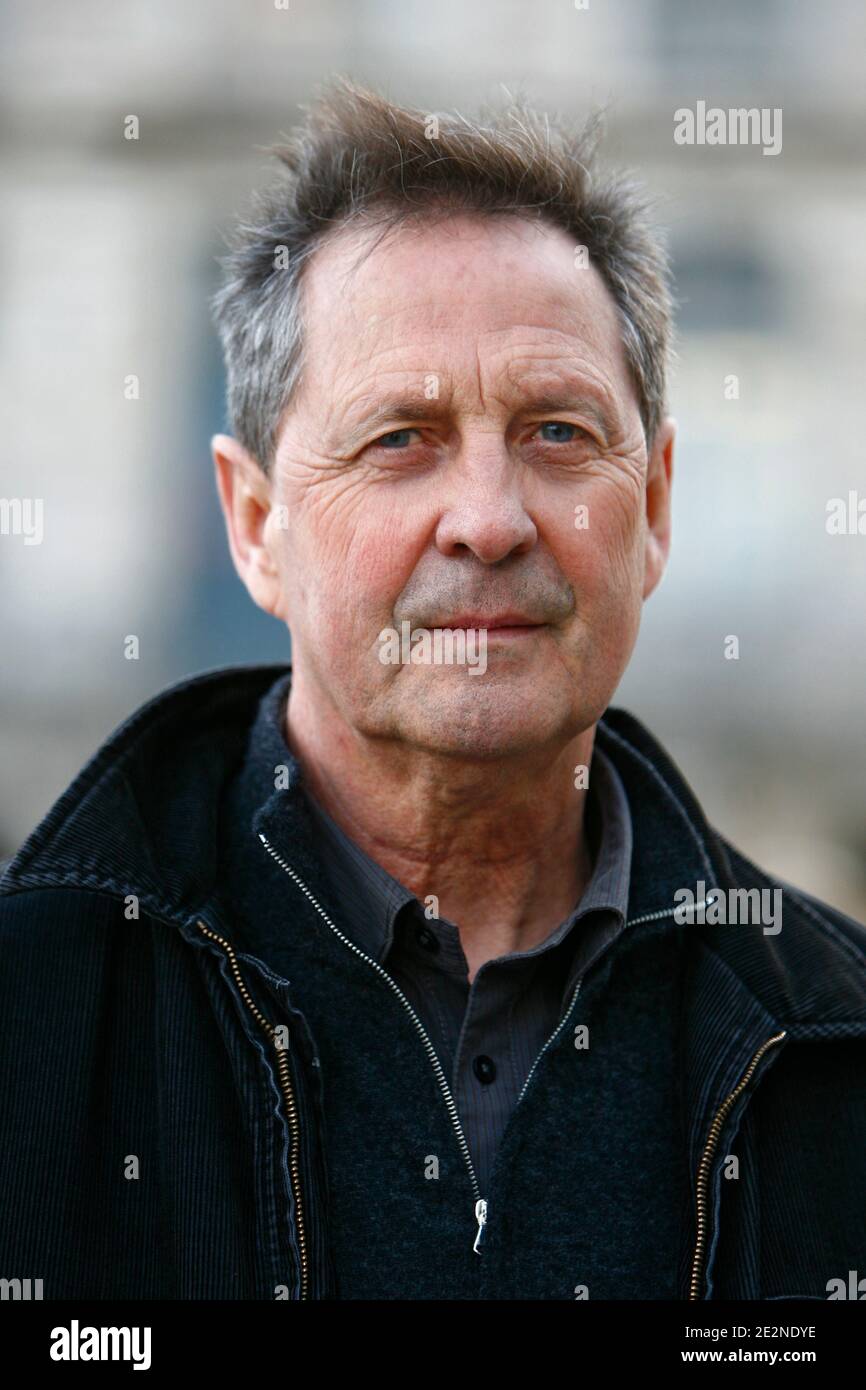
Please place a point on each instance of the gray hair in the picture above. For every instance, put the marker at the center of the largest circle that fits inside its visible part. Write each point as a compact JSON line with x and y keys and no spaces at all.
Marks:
{"x":360,"y":159}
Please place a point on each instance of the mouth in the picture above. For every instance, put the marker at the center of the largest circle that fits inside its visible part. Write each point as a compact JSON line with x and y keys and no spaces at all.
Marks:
{"x":506,"y":624}
{"x":514,"y":632}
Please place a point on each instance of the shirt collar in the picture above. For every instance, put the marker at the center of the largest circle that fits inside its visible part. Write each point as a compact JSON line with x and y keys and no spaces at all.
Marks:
{"x":368,"y":897}
{"x":372,"y":899}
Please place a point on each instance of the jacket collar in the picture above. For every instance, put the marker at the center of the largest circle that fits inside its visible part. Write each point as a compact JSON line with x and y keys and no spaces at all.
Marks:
{"x":371,"y":899}
{"x":143,"y":818}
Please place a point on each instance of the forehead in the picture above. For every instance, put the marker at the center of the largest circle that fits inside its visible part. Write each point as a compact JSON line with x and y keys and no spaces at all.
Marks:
{"x":484,"y":288}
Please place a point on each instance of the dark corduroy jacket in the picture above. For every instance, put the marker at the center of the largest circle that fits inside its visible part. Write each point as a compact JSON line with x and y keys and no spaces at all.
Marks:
{"x":163,"y":1124}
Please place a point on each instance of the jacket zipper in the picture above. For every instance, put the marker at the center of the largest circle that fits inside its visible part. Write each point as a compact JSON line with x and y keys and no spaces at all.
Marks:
{"x":480,"y":1202}
{"x":288,"y":1095}
{"x":706,"y":1163}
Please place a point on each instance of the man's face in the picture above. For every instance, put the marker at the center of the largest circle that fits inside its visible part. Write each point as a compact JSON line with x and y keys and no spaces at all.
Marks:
{"x":465,"y":395}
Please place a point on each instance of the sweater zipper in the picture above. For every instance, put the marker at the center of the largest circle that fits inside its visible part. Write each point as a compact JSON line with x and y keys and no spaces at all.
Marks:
{"x":285,"y":1081}
{"x":480,"y":1202}
{"x":706,"y":1163}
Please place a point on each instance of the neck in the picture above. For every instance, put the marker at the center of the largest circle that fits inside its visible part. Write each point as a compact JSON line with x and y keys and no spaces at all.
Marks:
{"x":501,"y":846}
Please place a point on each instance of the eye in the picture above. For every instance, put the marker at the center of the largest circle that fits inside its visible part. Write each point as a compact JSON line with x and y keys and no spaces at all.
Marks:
{"x":395,"y":439}
{"x":560,"y":432}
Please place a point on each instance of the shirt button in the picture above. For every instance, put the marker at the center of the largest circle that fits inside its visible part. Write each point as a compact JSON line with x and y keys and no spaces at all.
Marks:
{"x":485,"y":1069}
{"x":426,"y":938}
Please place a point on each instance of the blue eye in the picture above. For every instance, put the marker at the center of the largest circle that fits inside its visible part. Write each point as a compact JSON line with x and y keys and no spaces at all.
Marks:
{"x":559,"y":425}
{"x":395,"y":439}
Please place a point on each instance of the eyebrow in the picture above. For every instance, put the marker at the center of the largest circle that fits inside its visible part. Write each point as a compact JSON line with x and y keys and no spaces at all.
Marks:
{"x":411,"y":406}
{"x":408,"y":407}
{"x":563,"y":398}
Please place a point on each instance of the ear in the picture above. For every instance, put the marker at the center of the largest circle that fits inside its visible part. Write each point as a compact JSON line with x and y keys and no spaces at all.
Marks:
{"x":658,"y":504}
{"x":245,"y":494}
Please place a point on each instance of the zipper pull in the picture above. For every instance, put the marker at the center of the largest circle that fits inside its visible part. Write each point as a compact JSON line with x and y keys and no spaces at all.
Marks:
{"x":481,"y":1218}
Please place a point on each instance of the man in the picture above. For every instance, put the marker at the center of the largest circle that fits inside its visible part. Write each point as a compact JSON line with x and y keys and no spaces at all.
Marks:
{"x":414,"y":970}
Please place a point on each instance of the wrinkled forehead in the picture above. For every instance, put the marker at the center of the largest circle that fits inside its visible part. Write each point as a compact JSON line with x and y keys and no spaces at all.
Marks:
{"x":422,"y":297}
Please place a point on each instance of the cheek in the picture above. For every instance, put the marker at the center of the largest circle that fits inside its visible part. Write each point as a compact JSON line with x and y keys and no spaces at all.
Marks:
{"x":347,"y":578}
{"x":603,"y":549}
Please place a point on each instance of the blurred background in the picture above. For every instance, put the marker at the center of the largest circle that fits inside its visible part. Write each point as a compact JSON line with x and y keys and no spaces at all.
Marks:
{"x":107,"y":259}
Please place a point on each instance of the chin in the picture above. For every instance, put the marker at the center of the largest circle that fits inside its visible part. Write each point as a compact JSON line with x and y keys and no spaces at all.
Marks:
{"x":488,"y":725}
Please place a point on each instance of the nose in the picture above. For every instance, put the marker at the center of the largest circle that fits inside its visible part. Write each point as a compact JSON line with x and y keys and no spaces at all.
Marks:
{"x":486,"y":514}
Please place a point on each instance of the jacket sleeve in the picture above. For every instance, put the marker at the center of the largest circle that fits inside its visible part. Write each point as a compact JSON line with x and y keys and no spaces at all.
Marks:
{"x":75,"y":1000}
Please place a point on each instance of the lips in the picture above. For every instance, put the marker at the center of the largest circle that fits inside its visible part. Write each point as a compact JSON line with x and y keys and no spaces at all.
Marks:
{"x":491,"y":623}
